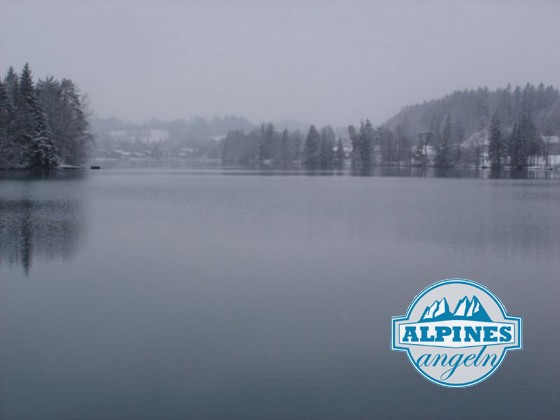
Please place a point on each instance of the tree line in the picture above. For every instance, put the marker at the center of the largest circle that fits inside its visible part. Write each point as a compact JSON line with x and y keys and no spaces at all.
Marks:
{"x":519,"y":148}
{"x":319,"y":149}
{"x":504,"y":127}
{"x":476,"y":127}
{"x":471,"y":110}
{"x":42,"y":125}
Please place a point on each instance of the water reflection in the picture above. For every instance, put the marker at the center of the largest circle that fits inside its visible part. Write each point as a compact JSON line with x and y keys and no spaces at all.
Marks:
{"x":203,"y":294}
{"x":38,"y":220}
{"x":419,"y":172}
{"x":215,"y":167}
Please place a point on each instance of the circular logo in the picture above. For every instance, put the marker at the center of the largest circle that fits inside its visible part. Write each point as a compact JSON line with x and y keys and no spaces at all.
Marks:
{"x":456,"y":333}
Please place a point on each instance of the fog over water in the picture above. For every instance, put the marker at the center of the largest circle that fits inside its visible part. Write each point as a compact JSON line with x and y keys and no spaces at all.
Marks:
{"x":319,"y":62}
{"x":214,"y":267}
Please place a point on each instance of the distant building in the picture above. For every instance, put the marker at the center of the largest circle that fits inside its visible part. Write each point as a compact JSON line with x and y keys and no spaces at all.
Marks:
{"x":551,"y":146}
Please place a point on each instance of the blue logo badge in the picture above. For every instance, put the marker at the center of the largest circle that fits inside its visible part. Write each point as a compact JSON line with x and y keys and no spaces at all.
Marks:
{"x":456,"y":333}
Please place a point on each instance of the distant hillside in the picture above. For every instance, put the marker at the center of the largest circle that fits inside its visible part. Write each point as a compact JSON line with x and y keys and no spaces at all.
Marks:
{"x":194,"y":138}
{"x":186,"y":139}
{"x":291,"y":126}
{"x":470,"y":111}
{"x":180,"y":131}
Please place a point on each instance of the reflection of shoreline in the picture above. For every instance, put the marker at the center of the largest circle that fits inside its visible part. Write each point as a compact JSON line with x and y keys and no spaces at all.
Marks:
{"x":216,"y":167}
{"x":44,"y":229}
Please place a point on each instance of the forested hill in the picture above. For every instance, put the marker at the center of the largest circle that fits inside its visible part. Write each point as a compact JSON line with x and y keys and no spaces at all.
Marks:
{"x":509,"y":127}
{"x":471,"y":110}
{"x":42,"y":125}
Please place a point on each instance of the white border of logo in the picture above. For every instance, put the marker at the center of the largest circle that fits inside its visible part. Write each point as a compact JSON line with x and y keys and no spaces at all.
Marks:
{"x":441,"y":283}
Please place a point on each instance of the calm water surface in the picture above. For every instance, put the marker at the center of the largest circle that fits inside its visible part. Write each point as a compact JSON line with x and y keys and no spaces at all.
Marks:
{"x":229,"y":294}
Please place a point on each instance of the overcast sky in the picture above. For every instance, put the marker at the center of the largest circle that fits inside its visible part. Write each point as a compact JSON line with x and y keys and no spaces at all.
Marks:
{"x":314,"y":61}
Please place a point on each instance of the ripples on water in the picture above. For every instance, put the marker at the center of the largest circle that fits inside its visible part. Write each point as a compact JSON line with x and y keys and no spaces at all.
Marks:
{"x":212,"y":293}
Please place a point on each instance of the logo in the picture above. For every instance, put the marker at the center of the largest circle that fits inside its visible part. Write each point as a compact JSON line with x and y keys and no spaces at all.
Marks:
{"x":456,"y":333}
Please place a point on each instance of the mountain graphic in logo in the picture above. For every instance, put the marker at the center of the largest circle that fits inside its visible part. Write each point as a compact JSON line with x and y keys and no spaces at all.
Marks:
{"x":456,"y":346}
{"x":466,"y":309}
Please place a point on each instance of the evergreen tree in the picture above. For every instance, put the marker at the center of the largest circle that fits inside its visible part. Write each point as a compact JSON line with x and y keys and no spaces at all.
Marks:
{"x":33,"y":131}
{"x":12,"y":86}
{"x":340,"y":155}
{"x":516,"y":105}
{"x":312,"y":151}
{"x":268,"y":134}
{"x":10,"y":150}
{"x":6,"y":110}
{"x":524,"y":143}
{"x":366,"y":137}
{"x":528,"y":100}
{"x":239,"y":148}
{"x":531,"y":140}
{"x":403,"y":146}
{"x":285,"y":149}
{"x":496,"y":146}
{"x":327,"y":147}
{"x":504,"y":108}
{"x":534,"y":142}
{"x":24,"y":124}
{"x":66,"y":118}
{"x":34,"y":118}
{"x":515,"y":148}
{"x":389,"y":145}
{"x":355,"y":142}
{"x":5,"y":120}
{"x":42,"y":153}
{"x":443,"y":145}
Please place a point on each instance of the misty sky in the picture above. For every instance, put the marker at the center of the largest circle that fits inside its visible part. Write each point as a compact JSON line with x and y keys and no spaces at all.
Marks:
{"x":314,"y":61}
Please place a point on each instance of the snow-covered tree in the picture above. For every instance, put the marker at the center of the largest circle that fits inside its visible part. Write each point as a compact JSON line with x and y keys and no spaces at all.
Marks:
{"x":496,"y":145}
{"x":10,"y":151}
{"x":524,"y":143}
{"x":6,"y":118}
{"x":33,"y":130}
{"x":66,"y":116}
{"x":42,"y":125}
{"x":12,"y":86}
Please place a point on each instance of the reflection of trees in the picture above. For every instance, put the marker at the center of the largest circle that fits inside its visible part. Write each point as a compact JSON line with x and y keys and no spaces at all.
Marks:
{"x":31,"y":229}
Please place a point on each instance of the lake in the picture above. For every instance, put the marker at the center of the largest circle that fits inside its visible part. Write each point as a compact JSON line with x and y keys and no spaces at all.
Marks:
{"x":209,"y":293}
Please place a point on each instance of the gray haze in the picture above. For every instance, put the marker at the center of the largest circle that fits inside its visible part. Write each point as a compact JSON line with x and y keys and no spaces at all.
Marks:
{"x":323,"y":62}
